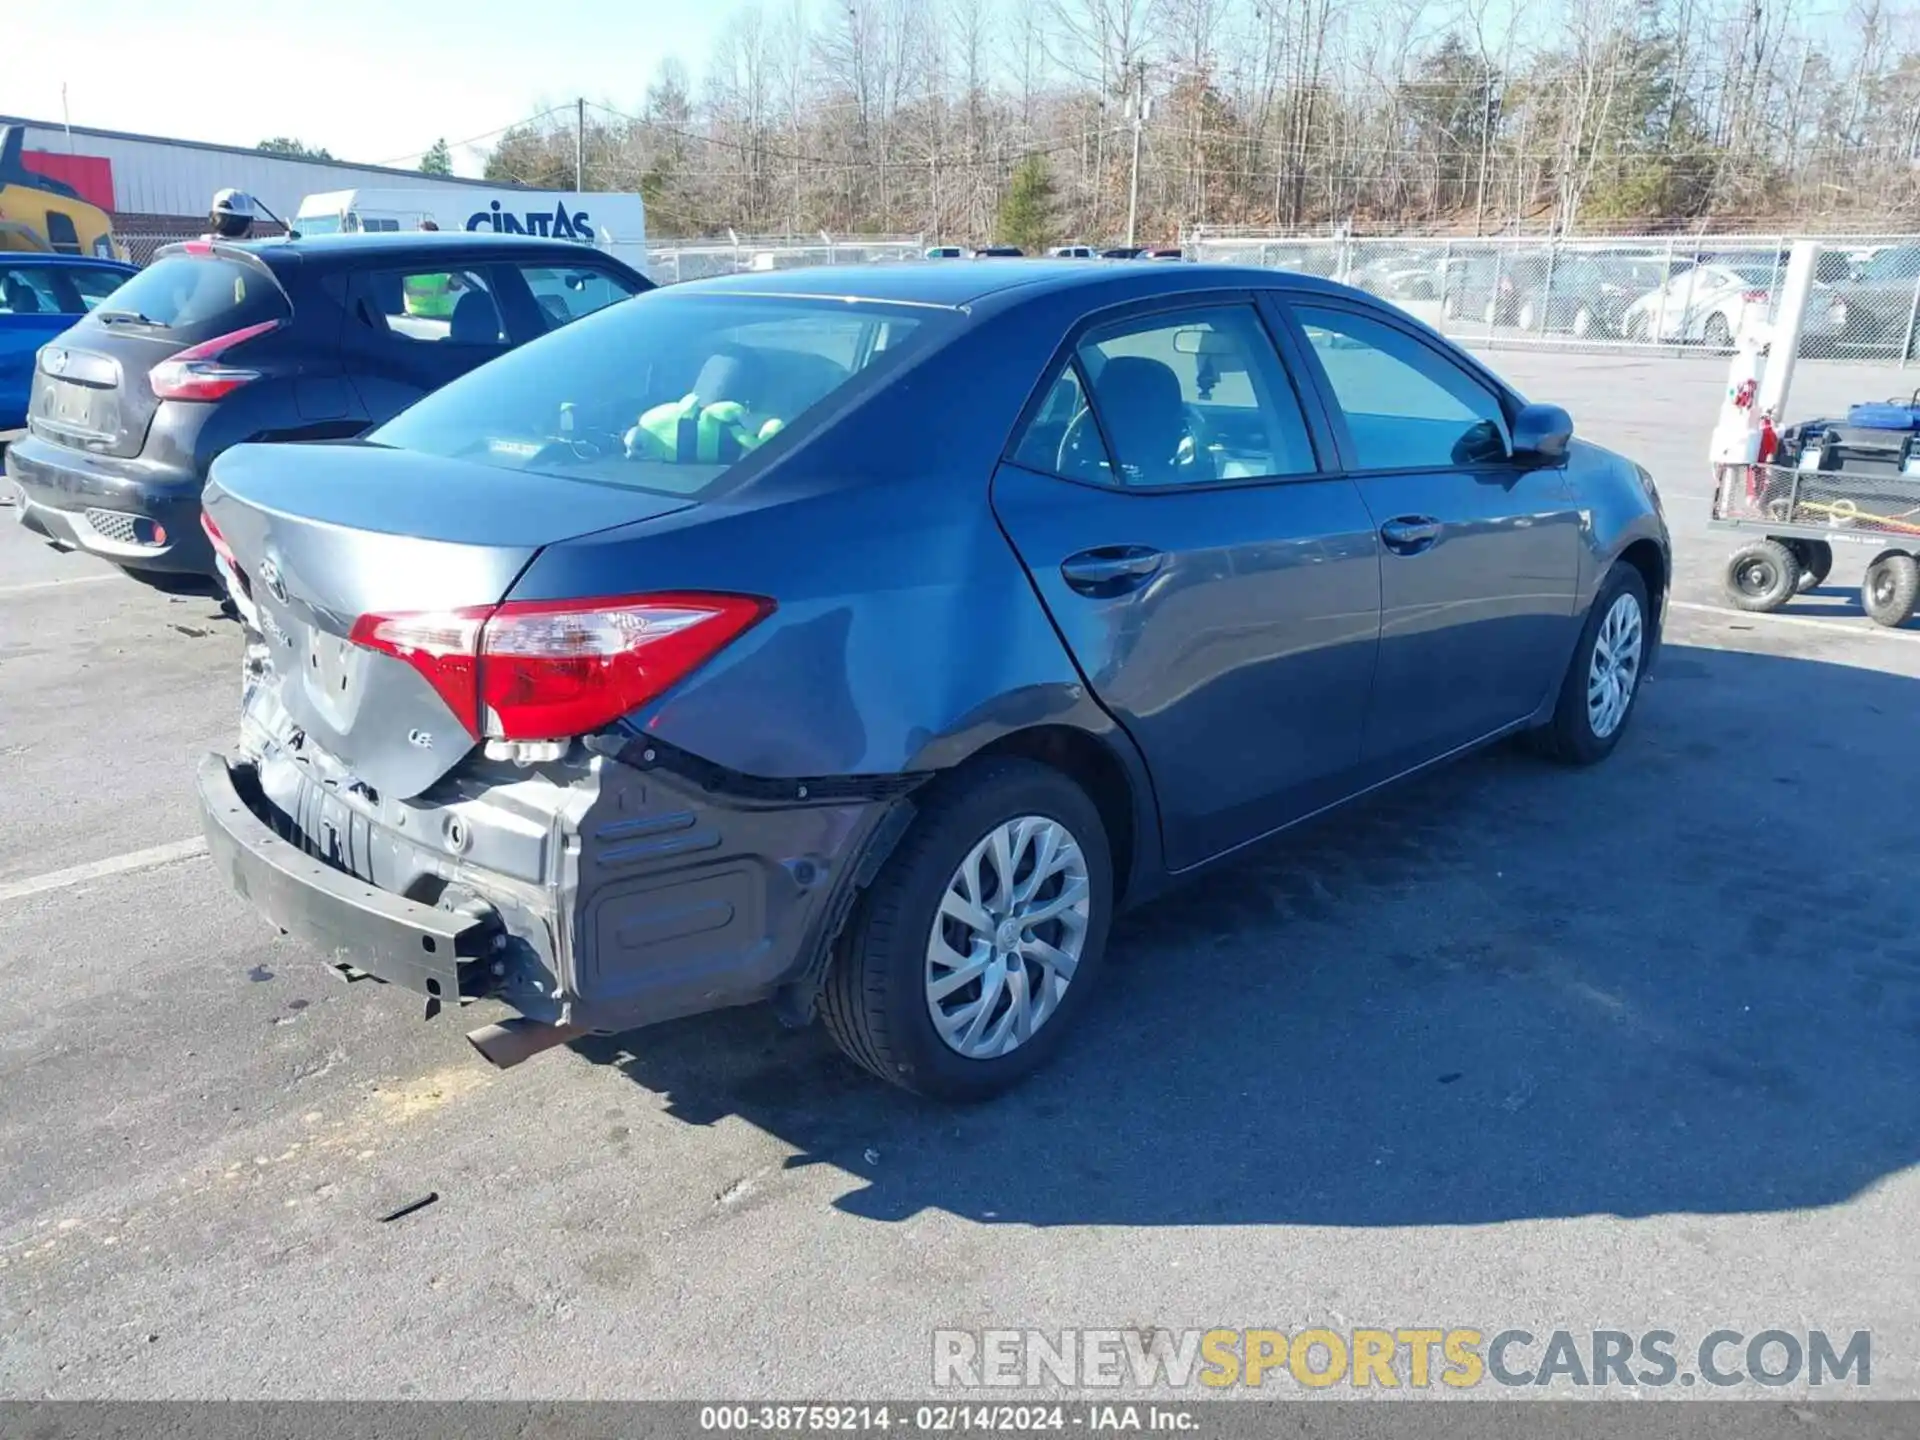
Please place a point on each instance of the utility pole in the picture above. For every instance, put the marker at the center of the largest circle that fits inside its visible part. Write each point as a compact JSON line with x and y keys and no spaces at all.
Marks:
{"x":1140,"y":108}
{"x":580,"y":145}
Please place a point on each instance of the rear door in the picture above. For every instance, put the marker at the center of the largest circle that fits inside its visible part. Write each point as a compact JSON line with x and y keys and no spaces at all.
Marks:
{"x":411,"y":330}
{"x":1479,"y":555}
{"x":1217,"y":586}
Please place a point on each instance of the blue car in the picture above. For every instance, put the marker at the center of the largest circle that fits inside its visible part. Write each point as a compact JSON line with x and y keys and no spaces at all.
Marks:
{"x":864,"y":640}
{"x":41,"y":296}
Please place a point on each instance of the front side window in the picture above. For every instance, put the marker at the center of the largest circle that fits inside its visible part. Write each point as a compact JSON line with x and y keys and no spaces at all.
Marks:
{"x":1407,"y":406}
{"x":1186,"y":399}
{"x":25,"y":291}
{"x":667,"y":393}
{"x":567,"y":292}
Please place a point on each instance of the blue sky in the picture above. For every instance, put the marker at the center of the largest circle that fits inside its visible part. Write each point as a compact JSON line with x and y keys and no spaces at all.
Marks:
{"x":370,"y":81}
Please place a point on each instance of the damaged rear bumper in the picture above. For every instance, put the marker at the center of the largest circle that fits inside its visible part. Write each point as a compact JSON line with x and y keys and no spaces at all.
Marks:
{"x":616,"y":892}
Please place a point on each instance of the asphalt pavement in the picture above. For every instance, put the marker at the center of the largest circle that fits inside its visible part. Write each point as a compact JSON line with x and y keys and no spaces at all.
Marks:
{"x":1514,"y":1047}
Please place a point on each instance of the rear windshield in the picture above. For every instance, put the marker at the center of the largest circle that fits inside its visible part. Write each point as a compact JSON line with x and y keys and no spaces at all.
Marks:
{"x":665,"y":392}
{"x":196,"y":296}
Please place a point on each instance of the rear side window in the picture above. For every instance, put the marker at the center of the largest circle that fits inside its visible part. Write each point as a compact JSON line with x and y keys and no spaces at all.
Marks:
{"x":1187,"y":398}
{"x":665,"y":394}
{"x":565,"y":293}
{"x":93,"y":286}
{"x":196,"y":297}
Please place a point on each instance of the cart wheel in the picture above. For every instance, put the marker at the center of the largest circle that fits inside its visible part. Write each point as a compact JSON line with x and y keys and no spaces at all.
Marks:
{"x":1762,"y":575}
{"x":1890,"y":588}
{"x":1816,"y":561}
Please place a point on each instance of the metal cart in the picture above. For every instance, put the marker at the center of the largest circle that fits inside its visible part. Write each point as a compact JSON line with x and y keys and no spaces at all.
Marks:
{"x":1794,"y":516}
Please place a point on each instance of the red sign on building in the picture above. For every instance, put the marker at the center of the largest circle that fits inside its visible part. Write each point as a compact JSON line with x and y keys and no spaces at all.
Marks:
{"x":91,"y":175}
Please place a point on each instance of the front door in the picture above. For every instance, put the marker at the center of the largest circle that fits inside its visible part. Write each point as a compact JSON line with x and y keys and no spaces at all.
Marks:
{"x":1217,"y":588}
{"x":1479,"y":554}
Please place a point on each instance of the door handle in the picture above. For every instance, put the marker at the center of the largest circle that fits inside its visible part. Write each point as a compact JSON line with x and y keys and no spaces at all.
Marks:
{"x":1109,"y":570}
{"x":1410,"y":534}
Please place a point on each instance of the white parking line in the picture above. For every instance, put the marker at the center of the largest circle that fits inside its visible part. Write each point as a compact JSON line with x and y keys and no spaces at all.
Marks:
{"x":99,"y":869}
{"x":1838,"y":626}
{"x":54,"y":584}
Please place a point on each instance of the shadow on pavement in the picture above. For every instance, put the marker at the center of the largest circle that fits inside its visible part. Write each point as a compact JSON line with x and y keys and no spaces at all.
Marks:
{"x":1687,"y":980}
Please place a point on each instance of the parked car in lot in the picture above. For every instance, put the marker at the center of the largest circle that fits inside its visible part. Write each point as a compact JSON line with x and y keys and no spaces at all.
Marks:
{"x":1879,"y":303}
{"x":1708,"y":303}
{"x":1581,"y":293}
{"x":1401,"y":275}
{"x":219,"y":343}
{"x":40,"y":296}
{"x":616,"y":722}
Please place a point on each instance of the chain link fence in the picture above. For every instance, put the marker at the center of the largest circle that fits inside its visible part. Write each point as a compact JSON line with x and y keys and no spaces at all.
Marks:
{"x":671,"y":261}
{"x":1623,"y":292}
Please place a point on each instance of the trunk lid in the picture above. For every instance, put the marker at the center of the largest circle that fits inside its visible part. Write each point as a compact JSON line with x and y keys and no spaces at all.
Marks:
{"x":91,"y":389}
{"x":322,"y":535}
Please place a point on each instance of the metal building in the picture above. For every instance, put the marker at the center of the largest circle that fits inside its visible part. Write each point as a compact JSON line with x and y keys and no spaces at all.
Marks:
{"x":161,"y":188}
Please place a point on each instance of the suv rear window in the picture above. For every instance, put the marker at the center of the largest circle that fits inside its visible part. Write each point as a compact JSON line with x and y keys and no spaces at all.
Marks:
{"x":665,"y":392}
{"x":196,"y":297}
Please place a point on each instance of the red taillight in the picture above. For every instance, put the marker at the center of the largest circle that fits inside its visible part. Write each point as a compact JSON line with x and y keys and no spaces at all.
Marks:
{"x":1753,"y":297}
{"x":552,"y":669}
{"x":196,"y":372}
{"x":220,"y":545}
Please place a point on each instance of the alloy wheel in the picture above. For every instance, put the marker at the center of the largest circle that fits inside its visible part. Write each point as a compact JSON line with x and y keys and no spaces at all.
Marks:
{"x":1008,"y":936}
{"x":1615,"y":667}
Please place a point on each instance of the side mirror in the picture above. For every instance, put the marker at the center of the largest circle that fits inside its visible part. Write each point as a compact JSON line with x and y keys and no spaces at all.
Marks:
{"x":1541,"y":433}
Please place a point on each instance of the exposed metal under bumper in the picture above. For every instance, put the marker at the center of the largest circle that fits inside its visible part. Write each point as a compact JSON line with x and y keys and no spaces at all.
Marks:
{"x":397,"y":939}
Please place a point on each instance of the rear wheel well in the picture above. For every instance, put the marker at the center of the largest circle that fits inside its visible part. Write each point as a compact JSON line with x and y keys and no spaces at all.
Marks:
{"x":1097,"y":771}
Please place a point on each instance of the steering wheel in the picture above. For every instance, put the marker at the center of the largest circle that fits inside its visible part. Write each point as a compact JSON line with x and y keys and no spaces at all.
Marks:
{"x":1080,"y":453}
{"x":1196,"y":450}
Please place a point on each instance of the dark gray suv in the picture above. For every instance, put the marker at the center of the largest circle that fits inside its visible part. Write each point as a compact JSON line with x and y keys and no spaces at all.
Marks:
{"x":219,"y":343}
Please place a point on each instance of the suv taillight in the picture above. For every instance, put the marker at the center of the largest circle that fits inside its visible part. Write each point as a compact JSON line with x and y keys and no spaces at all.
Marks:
{"x":553,"y":669}
{"x":1753,"y":297}
{"x":196,"y":372}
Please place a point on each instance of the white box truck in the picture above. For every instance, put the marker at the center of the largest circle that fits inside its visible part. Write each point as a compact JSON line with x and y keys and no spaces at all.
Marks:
{"x":616,"y":223}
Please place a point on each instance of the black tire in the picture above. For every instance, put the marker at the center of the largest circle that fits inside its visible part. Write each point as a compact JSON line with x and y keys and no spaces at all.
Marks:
{"x":1718,"y":334}
{"x":1762,"y":575}
{"x":1891,"y":585}
{"x":874,"y":996}
{"x":1816,"y":561}
{"x":1569,"y":736}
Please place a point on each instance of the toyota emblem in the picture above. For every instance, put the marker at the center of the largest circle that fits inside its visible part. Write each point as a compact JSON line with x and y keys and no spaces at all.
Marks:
{"x":270,"y":577}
